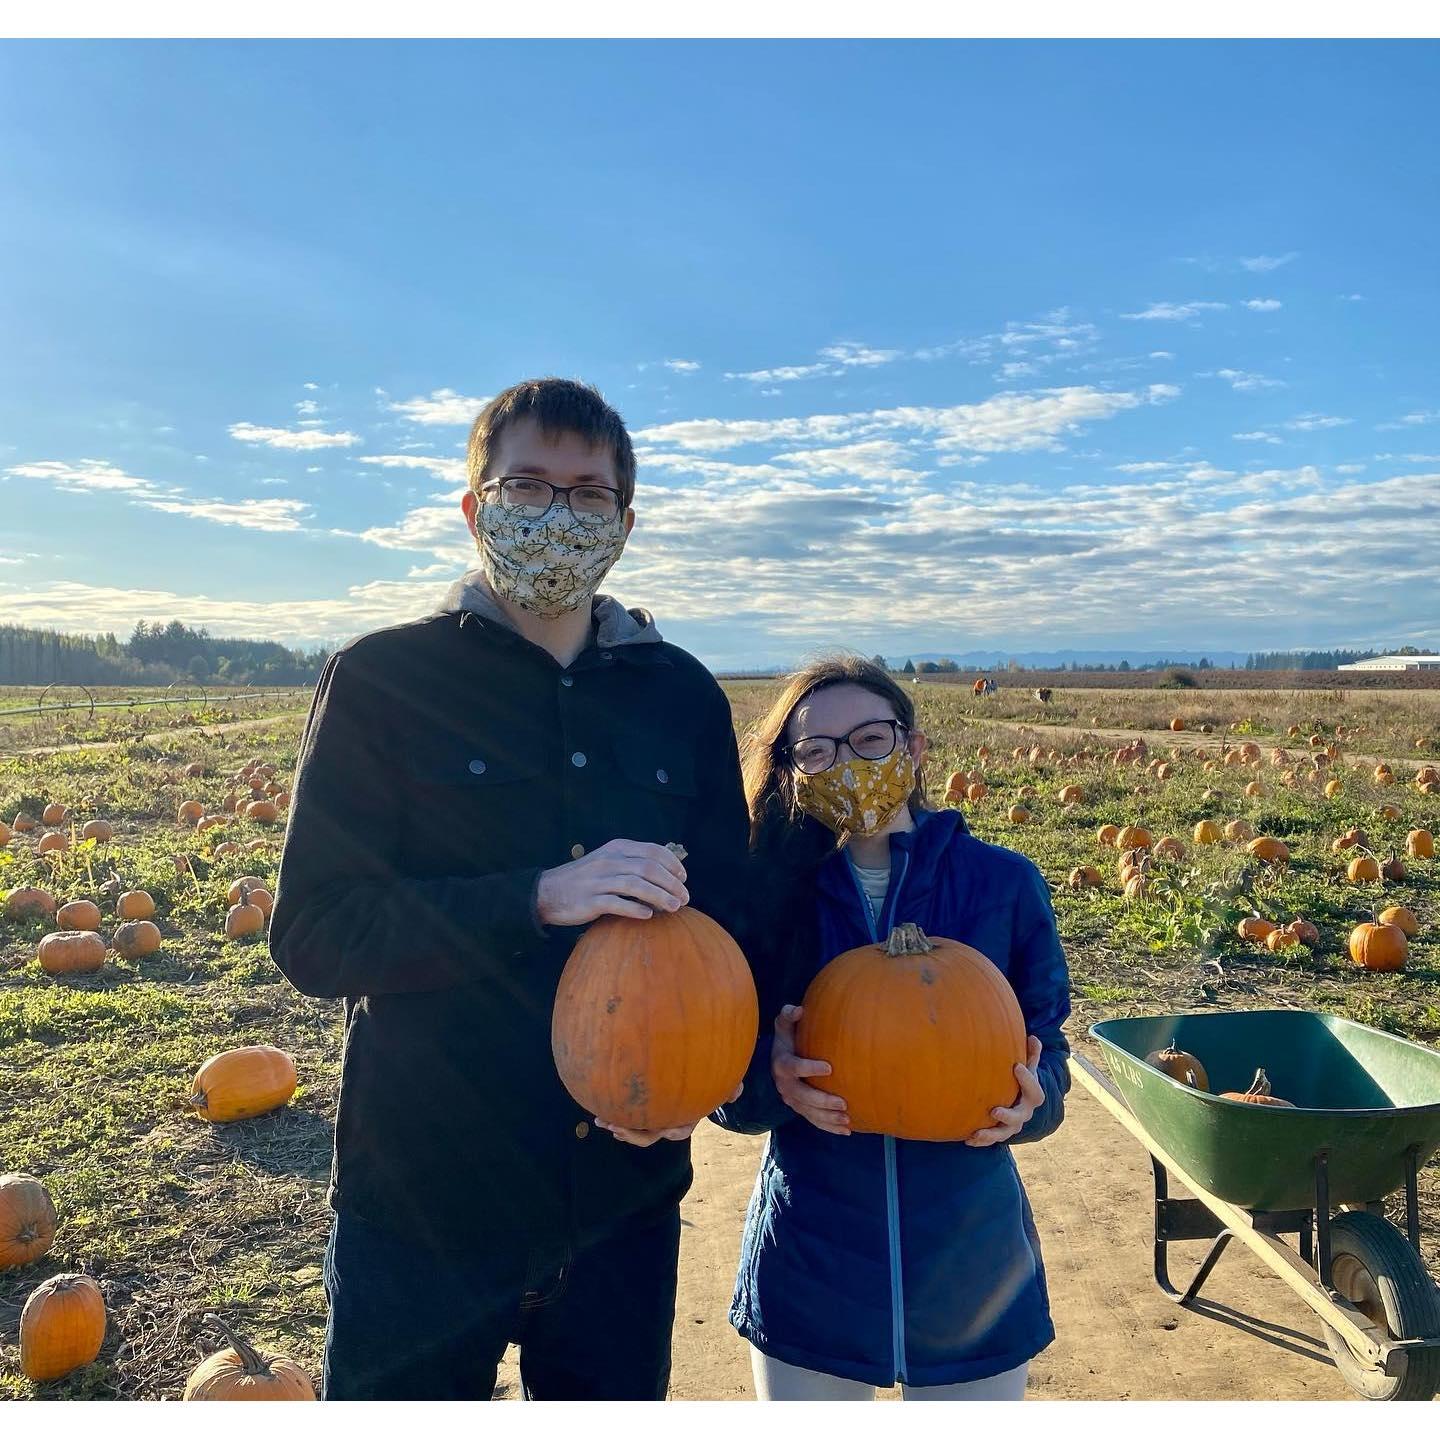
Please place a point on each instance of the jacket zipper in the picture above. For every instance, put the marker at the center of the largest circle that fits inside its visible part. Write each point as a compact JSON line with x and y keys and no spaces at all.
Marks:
{"x":892,"y":1178}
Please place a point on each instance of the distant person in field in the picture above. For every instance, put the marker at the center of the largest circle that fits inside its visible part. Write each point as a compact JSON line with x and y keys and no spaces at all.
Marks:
{"x":867,"y":1260}
{"x":473,"y":789}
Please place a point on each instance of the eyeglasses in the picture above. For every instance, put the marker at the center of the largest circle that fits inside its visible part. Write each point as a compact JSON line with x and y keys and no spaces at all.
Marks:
{"x":873,"y":740}
{"x":594,"y":504}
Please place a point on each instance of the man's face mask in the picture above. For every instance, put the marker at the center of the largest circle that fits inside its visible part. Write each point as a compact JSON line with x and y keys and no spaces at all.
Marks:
{"x":858,"y":797}
{"x":548,"y":557}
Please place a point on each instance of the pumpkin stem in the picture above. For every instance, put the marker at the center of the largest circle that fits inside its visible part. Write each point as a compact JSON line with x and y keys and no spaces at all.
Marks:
{"x":908,"y":940}
{"x":1260,"y":1085}
{"x":252,"y":1360}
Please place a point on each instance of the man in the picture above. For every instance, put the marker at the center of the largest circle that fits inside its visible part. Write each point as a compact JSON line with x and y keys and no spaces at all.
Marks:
{"x":473,"y":789}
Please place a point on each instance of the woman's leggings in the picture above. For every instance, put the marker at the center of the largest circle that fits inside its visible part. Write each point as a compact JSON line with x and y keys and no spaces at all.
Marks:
{"x":775,"y":1380}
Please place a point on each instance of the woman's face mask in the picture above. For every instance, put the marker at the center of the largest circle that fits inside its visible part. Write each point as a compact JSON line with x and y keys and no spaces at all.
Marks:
{"x":550,"y":563}
{"x":858,"y":797}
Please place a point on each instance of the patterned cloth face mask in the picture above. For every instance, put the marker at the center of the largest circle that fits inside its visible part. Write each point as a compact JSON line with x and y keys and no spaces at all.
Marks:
{"x":550,"y":563}
{"x":858,"y":797}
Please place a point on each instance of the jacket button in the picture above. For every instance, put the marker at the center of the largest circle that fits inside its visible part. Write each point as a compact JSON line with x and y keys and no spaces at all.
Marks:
{"x":663,"y":776}
{"x":567,"y":681}
{"x":578,"y":759}
{"x":477,"y":767}
{"x":577,"y":851}
{"x":582,"y":1130}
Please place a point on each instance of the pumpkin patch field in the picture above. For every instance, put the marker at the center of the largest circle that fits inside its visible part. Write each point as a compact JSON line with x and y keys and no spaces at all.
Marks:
{"x":174,"y":1097}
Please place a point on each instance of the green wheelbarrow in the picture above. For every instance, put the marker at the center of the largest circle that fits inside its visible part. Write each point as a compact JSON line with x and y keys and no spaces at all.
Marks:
{"x":1366,"y":1118}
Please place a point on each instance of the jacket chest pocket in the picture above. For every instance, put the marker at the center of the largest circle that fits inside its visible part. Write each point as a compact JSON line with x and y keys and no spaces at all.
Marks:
{"x":470,"y":803}
{"x":655,"y":793}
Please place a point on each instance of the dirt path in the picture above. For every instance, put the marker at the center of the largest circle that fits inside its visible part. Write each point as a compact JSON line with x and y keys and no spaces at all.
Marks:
{"x":1161,"y":740}
{"x":153,"y":735}
{"x":1118,"y":1338}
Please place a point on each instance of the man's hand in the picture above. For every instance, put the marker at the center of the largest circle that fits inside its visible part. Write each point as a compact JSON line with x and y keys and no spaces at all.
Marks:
{"x":1011,"y":1119}
{"x":645,"y":1138}
{"x":824,"y":1111}
{"x":622,"y":877}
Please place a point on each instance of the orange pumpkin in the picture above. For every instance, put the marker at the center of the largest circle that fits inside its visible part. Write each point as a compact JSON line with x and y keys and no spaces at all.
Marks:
{"x":1420,"y":845}
{"x":78,"y":915}
{"x":1257,"y":1094}
{"x":1083,"y":877}
{"x":976,"y":791}
{"x":100,"y":831}
{"x":28,"y":903}
{"x":1238,"y":830}
{"x":1207,"y":832}
{"x":1137,"y":886}
{"x":1106,"y":835}
{"x":23,"y":822}
{"x":1254,"y":790}
{"x":1332,"y":789}
{"x":262,"y":812}
{"x":1133,"y":837}
{"x":27,"y":1220}
{"x":242,"y":1373}
{"x":1305,"y":931}
{"x":55,"y":814}
{"x":1402,"y":917}
{"x":136,"y":938}
{"x":135,"y":905}
{"x":189,"y":812}
{"x":1363,"y":868}
{"x":238,"y":1084}
{"x":1169,"y":847}
{"x":1177,"y":724}
{"x":72,"y":952}
{"x":62,"y":1327}
{"x":1281,"y":939}
{"x":1071,"y":795}
{"x":1379,"y":946}
{"x":922,"y":1036}
{"x":243,"y":920}
{"x":1269,"y":851}
{"x":654,"y":1020}
{"x":249,"y":888}
{"x":1252,"y":927}
{"x":52,"y":840}
{"x":1018,"y":815}
{"x":1179,"y":1065}
{"x":194,"y":771}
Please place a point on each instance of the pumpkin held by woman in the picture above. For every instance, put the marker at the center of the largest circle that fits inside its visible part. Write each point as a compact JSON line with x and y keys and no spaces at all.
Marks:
{"x":922,"y":1036}
{"x":655,"y":1020}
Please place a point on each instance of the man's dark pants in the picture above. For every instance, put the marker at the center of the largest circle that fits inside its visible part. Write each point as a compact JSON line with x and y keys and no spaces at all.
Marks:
{"x":408,"y":1324}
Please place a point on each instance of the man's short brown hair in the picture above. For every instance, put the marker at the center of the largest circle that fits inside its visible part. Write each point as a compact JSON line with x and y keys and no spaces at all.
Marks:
{"x":558,"y":407}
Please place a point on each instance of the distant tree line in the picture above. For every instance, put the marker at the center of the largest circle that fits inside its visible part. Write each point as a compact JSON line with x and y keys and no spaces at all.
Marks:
{"x":155,"y":654}
{"x":1320,"y":659}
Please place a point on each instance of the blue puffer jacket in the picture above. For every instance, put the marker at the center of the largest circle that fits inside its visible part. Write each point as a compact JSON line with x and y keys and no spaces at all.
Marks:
{"x":882,"y":1260}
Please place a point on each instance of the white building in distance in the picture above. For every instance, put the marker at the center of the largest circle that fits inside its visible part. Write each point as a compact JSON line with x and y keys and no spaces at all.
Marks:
{"x":1396,"y":662}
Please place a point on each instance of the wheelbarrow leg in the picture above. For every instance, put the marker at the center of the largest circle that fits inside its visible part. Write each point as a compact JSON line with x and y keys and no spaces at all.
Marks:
{"x":1162,"y":1268}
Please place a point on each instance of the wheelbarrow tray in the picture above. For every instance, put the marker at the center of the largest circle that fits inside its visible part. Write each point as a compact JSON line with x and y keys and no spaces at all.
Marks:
{"x":1364,"y":1098}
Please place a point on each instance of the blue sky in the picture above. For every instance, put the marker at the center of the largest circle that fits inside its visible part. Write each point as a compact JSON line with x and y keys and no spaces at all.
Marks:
{"x":925,"y":346}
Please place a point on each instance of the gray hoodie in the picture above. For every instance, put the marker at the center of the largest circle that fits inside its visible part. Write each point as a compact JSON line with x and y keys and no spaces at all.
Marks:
{"x":614,"y":624}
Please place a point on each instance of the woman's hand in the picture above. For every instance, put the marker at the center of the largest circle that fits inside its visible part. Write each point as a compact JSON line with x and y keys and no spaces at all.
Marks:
{"x":824,"y":1111}
{"x":1011,"y":1119}
{"x":646,"y":1138}
{"x":622,"y":877}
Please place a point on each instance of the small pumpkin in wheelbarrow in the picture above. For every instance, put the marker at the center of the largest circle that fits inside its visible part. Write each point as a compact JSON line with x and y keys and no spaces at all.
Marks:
{"x":1257,"y":1094}
{"x":1179,"y":1065}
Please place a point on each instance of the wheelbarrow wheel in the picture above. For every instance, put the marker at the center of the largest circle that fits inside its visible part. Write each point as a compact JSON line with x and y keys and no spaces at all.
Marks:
{"x":1375,"y":1267}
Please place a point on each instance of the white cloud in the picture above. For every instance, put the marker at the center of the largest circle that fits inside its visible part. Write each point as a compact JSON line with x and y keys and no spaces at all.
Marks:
{"x":1005,"y":422}
{"x":1262,"y":264}
{"x":1316,"y":422}
{"x":1415,"y":417}
{"x":868,"y":460}
{"x":1176,"y":310}
{"x":781,"y":374}
{"x":1350,"y":469}
{"x":248,"y":514}
{"x":1247,"y":380}
{"x":291,"y":439}
{"x":1144,"y":467}
{"x":850,"y":353}
{"x":88,"y":475}
{"x":311,"y":385}
{"x":682,"y":367}
{"x":1161,"y":355}
{"x":274,"y":481}
{"x":1262,"y":305}
{"x":307,"y":407}
{"x":442,"y":468}
{"x":1260,"y":435}
{"x":441,"y":407}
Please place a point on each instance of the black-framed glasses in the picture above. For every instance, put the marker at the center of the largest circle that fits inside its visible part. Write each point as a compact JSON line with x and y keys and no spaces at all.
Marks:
{"x":873,"y":740}
{"x":531,"y":497}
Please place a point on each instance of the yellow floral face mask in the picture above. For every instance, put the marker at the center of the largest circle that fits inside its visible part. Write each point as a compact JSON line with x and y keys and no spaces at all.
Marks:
{"x":858,"y":797}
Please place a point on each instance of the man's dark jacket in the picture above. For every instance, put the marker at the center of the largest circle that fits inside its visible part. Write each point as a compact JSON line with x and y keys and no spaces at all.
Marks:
{"x":445,"y":763}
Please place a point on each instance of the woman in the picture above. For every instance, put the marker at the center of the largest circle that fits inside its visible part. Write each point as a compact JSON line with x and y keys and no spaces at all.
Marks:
{"x":868,"y":1260}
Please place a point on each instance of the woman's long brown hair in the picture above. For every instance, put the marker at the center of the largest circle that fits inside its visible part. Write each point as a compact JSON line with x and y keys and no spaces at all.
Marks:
{"x":779,"y":829}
